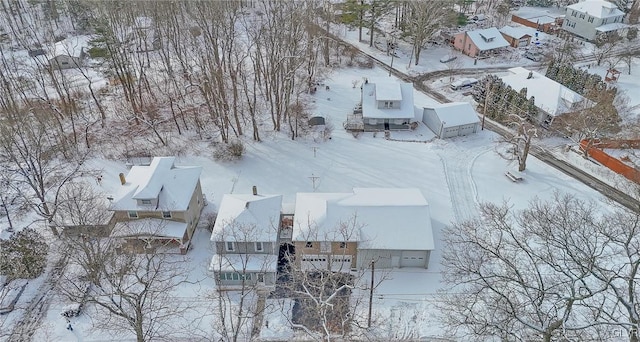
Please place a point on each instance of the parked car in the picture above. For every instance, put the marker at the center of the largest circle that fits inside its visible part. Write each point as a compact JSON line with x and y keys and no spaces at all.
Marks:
{"x":447,"y":58}
{"x":534,"y":56}
{"x":463,"y":83}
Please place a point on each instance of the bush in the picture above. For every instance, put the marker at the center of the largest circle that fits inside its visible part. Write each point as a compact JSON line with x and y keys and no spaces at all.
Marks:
{"x":229,"y":151}
{"x":23,"y":255}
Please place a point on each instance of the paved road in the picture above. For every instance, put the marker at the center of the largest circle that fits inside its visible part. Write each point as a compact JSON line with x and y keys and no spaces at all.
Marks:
{"x":537,"y":151}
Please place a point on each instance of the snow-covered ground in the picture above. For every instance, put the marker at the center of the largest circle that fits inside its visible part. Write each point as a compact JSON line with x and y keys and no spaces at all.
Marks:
{"x":454,"y":175}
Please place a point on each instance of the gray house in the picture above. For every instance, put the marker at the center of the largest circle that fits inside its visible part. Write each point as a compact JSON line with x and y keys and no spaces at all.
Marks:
{"x":451,"y":119}
{"x":387,"y":105}
{"x":590,"y":17}
{"x":67,"y":54}
{"x":245,"y":239}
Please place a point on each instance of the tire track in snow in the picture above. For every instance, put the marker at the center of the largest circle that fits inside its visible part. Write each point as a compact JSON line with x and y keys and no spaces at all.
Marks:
{"x":457,"y":166}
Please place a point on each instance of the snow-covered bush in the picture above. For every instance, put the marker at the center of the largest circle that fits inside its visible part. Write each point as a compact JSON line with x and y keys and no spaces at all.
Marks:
{"x":23,"y":255}
{"x":230,"y":151}
{"x":71,"y":310}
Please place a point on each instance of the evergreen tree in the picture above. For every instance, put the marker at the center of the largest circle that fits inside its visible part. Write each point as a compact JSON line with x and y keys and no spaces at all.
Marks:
{"x":23,"y":255}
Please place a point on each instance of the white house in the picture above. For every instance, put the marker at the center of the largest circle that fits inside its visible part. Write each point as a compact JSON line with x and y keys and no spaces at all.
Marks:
{"x":245,"y":239}
{"x":68,"y":53}
{"x":552,"y":98}
{"x":340,"y":231}
{"x":387,"y":105}
{"x":158,"y":205}
{"x":451,"y":119}
{"x":590,"y":17}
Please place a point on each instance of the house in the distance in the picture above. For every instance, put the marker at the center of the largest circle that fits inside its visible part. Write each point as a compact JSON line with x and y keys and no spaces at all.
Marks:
{"x":387,"y":105}
{"x":550,"y":97}
{"x":545,"y":19}
{"x":67,"y":54}
{"x":516,"y":36}
{"x":341,"y":231}
{"x":589,"y":18}
{"x":479,"y":43}
{"x":245,"y":239}
{"x":451,"y":119}
{"x":158,"y":206}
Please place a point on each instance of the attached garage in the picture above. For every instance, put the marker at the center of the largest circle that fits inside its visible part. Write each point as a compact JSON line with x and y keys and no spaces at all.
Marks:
{"x":414,"y":259}
{"x":311,"y":262}
{"x":451,"y":119}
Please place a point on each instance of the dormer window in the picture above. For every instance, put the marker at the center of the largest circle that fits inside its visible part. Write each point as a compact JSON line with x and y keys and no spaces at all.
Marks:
{"x":145,"y":201}
{"x":388,"y":104}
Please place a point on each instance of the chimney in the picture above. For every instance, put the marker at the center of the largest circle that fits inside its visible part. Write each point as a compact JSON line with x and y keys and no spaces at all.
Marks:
{"x":255,"y":190}
{"x":530,"y":75}
{"x":123,"y":180}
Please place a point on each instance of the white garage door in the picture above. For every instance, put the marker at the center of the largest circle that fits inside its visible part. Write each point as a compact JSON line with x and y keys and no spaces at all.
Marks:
{"x":312,"y":262}
{"x":466,"y":130}
{"x":413,"y":259}
{"x":341,"y":263}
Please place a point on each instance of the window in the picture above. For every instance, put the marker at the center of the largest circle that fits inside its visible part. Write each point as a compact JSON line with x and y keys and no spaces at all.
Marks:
{"x":573,"y":13}
{"x":309,"y":244}
{"x":166,"y":214}
{"x":343,"y":244}
{"x":259,"y":247}
{"x":231,"y":246}
{"x":604,"y":21}
{"x":581,"y":15}
{"x":388,"y":104}
{"x":261,"y":277}
{"x":133,"y":214}
{"x":469,"y":46}
{"x":146,"y":201}
{"x":590,"y":19}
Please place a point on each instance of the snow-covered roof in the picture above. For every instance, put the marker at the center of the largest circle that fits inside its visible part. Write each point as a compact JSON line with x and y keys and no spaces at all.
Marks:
{"x":487,"y":39}
{"x":386,"y":90}
{"x":534,"y":13}
{"x":515,"y":32}
{"x":73,"y":46}
{"x":596,"y":8}
{"x":378,"y":218}
{"x":150,"y":227}
{"x":248,"y":218}
{"x":455,"y":114}
{"x":244,"y":262}
{"x":550,"y":96}
{"x":171,"y":185}
{"x":611,"y":27}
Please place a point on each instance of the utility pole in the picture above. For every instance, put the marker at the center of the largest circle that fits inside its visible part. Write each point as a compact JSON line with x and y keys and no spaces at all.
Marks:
{"x":373,"y":266}
{"x":313,"y":180}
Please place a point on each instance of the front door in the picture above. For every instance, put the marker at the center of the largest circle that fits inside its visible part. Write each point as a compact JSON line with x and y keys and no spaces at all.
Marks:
{"x":386,"y":124}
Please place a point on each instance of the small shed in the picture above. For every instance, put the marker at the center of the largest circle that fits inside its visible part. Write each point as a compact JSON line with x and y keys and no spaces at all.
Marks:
{"x":451,"y":119}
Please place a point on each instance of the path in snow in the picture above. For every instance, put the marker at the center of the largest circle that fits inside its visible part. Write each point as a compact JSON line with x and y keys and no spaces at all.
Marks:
{"x":37,"y":308}
{"x":457,"y":164}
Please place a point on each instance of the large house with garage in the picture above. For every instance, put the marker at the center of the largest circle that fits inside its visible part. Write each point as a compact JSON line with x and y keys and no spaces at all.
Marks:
{"x":342,"y":231}
{"x":245,"y":240}
{"x":550,"y":97}
{"x":387,"y":105}
{"x":589,"y":18}
{"x":157,"y":206}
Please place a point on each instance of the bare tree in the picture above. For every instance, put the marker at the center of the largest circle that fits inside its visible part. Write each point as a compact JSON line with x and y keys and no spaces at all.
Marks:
{"x":604,"y":44}
{"x":521,"y":275}
{"x":127,"y":292}
{"x":425,"y":19}
{"x":520,"y":142}
{"x":35,"y":157}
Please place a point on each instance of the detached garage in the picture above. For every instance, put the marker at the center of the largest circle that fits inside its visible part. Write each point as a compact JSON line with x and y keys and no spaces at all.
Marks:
{"x":451,"y":119}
